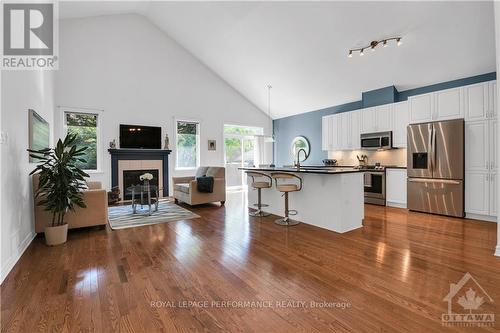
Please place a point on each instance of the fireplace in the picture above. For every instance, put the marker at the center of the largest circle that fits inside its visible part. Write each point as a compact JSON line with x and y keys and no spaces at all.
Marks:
{"x":131,"y":177}
{"x":140,"y":159}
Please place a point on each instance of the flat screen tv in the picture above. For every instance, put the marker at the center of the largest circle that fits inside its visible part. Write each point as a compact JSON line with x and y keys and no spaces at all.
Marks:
{"x":135,"y":136}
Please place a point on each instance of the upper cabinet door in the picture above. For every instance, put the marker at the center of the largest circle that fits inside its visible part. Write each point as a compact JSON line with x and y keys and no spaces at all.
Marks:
{"x":334,"y":133}
{"x":477,"y":106}
{"x":449,"y":104}
{"x":400,"y":116}
{"x":325,"y":133}
{"x":355,"y":129}
{"x":383,"y":118}
{"x":477,"y":146}
{"x":421,"y":108}
{"x":344,"y":130}
{"x":369,"y":120}
{"x":493,"y":99}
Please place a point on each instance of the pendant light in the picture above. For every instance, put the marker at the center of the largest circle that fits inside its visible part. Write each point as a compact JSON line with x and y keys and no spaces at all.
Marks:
{"x":269,"y":138}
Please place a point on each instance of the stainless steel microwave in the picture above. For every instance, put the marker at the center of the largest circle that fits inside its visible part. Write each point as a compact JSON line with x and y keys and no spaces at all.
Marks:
{"x":381,"y":140}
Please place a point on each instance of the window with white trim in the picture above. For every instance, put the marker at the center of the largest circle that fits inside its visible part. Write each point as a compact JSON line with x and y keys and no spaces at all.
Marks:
{"x":187,"y":145}
{"x":86,"y":126}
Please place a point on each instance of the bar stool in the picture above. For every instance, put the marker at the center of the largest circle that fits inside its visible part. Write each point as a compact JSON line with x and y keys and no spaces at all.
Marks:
{"x":281,"y":185}
{"x":262,"y":181}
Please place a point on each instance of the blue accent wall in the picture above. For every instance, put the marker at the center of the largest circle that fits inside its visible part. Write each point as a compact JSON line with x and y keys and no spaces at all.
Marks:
{"x":379,"y":96}
{"x":309,"y":124}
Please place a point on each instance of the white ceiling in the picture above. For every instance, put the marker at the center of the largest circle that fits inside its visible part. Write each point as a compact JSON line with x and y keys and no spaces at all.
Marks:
{"x":301,"y":48}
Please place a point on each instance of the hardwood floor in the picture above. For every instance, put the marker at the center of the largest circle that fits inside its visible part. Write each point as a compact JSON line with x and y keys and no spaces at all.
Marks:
{"x":393,"y":273}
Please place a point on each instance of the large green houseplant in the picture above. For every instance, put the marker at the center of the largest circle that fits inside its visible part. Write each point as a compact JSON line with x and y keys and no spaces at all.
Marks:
{"x":60,"y":185}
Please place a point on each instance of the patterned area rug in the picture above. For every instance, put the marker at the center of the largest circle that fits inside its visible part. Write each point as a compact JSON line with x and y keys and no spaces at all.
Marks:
{"x":121,"y":217}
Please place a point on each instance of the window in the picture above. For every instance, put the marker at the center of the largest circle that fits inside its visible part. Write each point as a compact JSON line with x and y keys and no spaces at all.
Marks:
{"x":187,"y":145}
{"x":86,"y":127}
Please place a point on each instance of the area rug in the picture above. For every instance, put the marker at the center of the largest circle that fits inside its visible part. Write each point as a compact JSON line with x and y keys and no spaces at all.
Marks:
{"x":121,"y":217}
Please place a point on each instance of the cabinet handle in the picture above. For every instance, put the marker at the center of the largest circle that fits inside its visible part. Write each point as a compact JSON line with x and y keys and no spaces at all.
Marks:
{"x":487,"y":177}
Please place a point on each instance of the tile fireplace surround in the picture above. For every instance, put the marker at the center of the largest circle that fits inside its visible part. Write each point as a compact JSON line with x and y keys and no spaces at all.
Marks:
{"x":139,"y":159}
{"x":132,"y":165}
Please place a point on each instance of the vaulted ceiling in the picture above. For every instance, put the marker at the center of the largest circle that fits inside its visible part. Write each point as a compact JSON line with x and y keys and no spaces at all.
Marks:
{"x":300,"y":48}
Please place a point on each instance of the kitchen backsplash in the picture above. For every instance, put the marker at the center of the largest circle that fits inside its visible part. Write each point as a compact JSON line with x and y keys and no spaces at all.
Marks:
{"x":396,"y":157}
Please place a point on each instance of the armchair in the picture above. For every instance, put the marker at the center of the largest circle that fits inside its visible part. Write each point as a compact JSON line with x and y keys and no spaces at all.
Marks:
{"x":186,"y":188}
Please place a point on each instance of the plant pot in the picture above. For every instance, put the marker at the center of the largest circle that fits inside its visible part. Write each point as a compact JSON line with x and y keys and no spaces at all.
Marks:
{"x":56,"y":235}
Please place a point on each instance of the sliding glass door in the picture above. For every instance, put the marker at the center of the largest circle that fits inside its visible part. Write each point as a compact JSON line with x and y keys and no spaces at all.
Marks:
{"x":239,"y":151}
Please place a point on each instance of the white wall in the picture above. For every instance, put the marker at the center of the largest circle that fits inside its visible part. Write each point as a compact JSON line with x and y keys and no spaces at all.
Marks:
{"x":21,"y":90}
{"x":126,"y":66}
{"x":497,"y":27}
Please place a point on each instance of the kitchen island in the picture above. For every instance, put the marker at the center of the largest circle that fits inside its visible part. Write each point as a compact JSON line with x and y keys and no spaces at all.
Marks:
{"x":331,"y":198}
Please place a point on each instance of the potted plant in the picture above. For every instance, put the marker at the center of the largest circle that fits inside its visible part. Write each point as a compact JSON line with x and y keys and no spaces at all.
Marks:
{"x":60,"y":184}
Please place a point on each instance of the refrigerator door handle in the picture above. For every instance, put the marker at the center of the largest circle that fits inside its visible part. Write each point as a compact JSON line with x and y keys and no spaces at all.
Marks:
{"x":433,"y":145}
{"x":429,"y":145}
{"x":434,"y":180}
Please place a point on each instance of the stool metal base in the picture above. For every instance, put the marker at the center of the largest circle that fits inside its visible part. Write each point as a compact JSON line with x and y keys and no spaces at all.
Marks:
{"x":258,"y":213}
{"x":286,"y":221}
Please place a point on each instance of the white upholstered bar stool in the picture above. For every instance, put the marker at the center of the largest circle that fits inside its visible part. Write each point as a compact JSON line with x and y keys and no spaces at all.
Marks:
{"x":284,"y":185}
{"x":259,"y":181}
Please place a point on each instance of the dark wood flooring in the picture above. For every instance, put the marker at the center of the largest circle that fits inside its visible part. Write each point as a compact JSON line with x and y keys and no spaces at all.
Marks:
{"x":392,"y":274}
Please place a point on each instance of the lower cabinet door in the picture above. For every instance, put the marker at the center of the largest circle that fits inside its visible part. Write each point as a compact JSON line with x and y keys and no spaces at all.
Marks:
{"x":493,"y":194}
{"x":396,"y":187}
{"x":477,"y":192}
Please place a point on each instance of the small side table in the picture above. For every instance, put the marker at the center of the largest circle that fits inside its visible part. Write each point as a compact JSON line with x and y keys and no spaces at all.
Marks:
{"x":147,"y":195}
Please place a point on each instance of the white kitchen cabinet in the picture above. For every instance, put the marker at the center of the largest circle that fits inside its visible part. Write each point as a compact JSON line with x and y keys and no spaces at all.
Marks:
{"x":383,"y":118}
{"x":477,"y":192}
{"x":368,"y":120}
{"x":421,"y":108}
{"x":325,"y":132}
{"x":334,"y":133}
{"x":477,"y":148}
{"x":400,"y":115}
{"x":355,"y":129}
{"x":395,"y":187}
{"x":376,"y":119}
{"x":477,"y":105}
{"x":493,"y":97}
{"x":493,"y":194}
{"x":449,"y":104}
{"x":440,"y":105}
{"x":329,"y":134}
{"x":481,"y":169}
{"x":493,"y":144}
{"x":344,"y":123}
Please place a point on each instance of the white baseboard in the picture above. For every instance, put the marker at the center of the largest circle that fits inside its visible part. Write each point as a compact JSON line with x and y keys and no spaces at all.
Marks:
{"x":396,"y":204}
{"x":497,"y":251}
{"x":481,"y":217}
{"x":9,"y":264}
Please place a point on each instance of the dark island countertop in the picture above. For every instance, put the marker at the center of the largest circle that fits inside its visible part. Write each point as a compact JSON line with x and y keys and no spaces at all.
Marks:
{"x":306,"y":169}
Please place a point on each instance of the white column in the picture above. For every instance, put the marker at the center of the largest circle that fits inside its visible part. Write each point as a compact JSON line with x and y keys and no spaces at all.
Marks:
{"x":497,"y":28}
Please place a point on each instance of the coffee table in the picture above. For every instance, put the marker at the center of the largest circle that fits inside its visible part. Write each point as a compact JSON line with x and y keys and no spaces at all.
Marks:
{"x":144,"y":194}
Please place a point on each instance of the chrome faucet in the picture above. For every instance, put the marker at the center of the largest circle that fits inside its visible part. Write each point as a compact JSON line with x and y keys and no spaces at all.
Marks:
{"x":297,"y":164}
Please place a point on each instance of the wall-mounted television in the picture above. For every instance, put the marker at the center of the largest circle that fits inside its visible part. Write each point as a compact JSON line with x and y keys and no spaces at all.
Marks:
{"x":136,"y":136}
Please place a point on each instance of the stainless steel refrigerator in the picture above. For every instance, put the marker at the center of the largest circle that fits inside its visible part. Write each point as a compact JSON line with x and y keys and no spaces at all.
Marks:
{"x":435,"y":161}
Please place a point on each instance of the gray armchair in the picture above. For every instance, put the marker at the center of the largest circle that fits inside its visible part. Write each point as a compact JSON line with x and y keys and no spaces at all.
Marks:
{"x":186,"y":188}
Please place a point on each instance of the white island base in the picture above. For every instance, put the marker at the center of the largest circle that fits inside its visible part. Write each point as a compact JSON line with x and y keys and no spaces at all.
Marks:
{"x":330,"y":201}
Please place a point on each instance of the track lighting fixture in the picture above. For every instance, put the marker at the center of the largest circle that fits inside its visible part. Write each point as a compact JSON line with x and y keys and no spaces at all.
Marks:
{"x":374,"y":45}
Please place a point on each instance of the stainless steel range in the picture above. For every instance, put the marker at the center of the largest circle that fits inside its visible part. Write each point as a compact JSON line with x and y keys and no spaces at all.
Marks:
{"x":374,"y":184}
